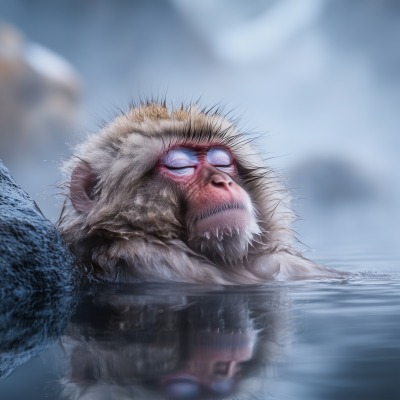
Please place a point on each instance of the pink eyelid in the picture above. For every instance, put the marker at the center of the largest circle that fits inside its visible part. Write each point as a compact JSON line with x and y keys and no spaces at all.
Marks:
{"x":180,"y":159}
{"x":220,"y":157}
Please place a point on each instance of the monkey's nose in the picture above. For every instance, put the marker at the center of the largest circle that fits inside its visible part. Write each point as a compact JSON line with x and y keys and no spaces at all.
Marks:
{"x":221,"y":181}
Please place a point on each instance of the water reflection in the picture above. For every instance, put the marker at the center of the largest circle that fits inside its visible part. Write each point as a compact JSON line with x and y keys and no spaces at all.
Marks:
{"x":175,"y":346}
{"x":29,"y":323}
{"x":191,"y":342}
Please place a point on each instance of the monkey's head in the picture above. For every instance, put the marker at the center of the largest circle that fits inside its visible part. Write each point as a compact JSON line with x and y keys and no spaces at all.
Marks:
{"x":163,"y":176}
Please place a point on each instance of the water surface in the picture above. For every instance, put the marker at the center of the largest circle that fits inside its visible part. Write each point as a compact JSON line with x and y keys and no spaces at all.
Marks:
{"x":307,"y":340}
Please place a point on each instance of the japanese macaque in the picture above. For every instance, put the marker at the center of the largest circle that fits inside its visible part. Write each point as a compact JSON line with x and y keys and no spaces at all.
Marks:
{"x":178,"y":196}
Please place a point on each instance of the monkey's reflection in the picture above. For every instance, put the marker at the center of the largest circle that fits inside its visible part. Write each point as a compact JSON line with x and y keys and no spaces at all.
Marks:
{"x":174,"y":347}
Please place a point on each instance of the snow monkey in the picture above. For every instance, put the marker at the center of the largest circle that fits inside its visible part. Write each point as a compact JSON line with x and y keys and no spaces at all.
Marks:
{"x":178,"y":195}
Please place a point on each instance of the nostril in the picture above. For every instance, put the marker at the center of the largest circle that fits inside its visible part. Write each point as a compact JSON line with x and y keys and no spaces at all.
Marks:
{"x":217,"y":184}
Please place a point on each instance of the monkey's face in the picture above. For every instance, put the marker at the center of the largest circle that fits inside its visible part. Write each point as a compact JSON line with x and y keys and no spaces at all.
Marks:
{"x":217,"y":206}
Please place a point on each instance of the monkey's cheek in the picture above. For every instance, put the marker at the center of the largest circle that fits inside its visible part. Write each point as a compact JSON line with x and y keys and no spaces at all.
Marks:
{"x":229,"y":221}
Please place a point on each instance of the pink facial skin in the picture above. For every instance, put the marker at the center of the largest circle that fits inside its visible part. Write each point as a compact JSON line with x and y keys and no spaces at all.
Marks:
{"x":205,"y":174}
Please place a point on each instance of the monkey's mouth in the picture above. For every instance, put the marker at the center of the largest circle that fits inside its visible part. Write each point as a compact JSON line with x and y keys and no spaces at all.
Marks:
{"x":211,"y":212}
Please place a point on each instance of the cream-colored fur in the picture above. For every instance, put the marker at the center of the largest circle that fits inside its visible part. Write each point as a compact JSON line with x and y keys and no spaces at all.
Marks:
{"x":136,"y":230}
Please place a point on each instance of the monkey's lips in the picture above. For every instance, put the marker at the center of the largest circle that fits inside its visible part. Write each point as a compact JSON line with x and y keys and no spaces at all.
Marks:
{"x":227,"y":216}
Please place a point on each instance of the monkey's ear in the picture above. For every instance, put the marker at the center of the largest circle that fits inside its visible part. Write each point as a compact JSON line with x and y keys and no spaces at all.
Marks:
{"x":82,"y":182}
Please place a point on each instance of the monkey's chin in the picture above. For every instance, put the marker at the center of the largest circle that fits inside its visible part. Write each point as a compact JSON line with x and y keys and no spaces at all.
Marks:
{"x":225,"y":235}
{"x":227,"y":221}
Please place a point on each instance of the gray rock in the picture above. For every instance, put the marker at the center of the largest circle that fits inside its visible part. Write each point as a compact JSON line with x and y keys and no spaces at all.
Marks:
{"x":33,"y":256}
{"x":30,"y":323}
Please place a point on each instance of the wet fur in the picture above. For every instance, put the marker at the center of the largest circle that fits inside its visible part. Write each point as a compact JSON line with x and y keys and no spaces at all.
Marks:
{"x":137,"y":229}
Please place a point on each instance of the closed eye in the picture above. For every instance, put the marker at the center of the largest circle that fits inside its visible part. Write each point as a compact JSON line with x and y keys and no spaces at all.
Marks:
{"x":229,"y":169}
{"x":181,"y":170}
{"x":180,"y":158}
{"x":219,"y":157}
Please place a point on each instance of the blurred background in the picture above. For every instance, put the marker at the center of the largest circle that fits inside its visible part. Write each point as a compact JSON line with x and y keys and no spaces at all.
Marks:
{"x":320,"y":79}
